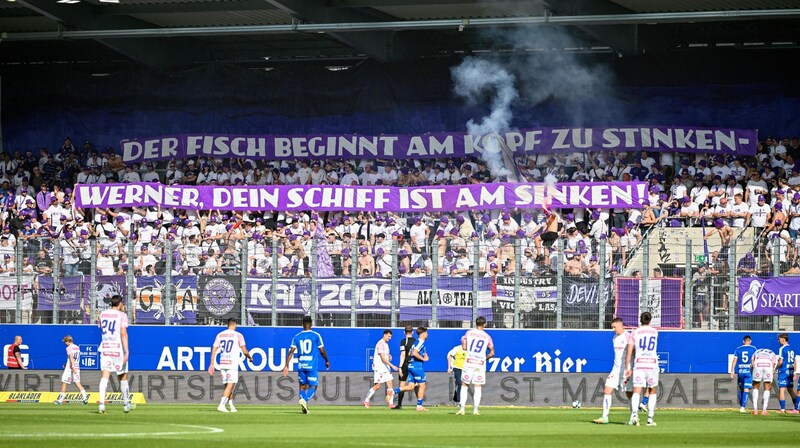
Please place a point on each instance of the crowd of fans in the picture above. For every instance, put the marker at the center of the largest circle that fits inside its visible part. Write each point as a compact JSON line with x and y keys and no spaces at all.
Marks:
{"x":723,"y":193}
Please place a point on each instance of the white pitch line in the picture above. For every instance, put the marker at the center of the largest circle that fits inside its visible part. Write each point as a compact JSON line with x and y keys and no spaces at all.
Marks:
{"x":206,"y":430}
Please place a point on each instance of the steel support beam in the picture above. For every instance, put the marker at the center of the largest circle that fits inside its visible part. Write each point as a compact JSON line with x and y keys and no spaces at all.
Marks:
{"x":156,"y":53}
{"x":621,"y":38}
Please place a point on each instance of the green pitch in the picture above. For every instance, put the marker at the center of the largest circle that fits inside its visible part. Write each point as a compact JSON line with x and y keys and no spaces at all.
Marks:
{"x":151,"y":426}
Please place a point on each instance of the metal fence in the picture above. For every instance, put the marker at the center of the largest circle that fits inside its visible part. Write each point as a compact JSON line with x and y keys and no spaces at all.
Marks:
{"x":515,"y":282}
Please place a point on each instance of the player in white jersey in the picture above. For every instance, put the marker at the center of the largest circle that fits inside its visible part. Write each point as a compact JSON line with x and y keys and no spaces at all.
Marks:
{"x":476,"y":343}
{"x":230,"y":345}
{"x":645,"y":371}
{"x":114,"y":351}
{"x":72,"y":371}
{"x":615,"y":379}
{"x":763,"y":367}
{"x":381,"y":368}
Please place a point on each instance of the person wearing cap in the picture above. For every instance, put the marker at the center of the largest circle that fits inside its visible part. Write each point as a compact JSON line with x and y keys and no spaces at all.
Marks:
{"x":794,"y":218}
{"x":755,"y":187}
{"x":699,"y":192}
{"x":446,"y":262}
{"x":574,"y":266}
{"x":759,"y":216}
{"x":173,"y":175}
{"x":689,"y":210}
{"x":508,"y":225}
{"x":725,"y":233}
{"x":419,"y":233}
{"x":679,"y":189}
{"x":366,"y":263}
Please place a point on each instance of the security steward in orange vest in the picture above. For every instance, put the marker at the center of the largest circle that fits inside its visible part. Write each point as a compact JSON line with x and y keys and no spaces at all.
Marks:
{"x":14,"y":357}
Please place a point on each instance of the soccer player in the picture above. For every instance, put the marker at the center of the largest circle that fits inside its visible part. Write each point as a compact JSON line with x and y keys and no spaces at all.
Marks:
{"x":72,"y":371}
{"x":309,"y":346}
{"x":114,"y":351}
{"x":763,"y":366}
{"x":381,"y":368}
{"x":786,"y":373}
{"x":477,"y":343}
{"x":646,"y":370}
{"x":615,"y":379}
{"x":740,"y":367}
{"x":405,"y":357}
{"x":230,"y":345}
{"x":416,"y":369}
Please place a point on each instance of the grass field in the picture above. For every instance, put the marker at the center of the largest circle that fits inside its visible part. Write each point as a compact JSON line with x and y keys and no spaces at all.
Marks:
{"x":150,"y":426}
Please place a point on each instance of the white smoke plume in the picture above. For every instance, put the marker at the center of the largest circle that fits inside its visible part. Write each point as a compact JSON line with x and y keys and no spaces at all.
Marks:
{"x":475,"y":79}
{"x":549,"y":76}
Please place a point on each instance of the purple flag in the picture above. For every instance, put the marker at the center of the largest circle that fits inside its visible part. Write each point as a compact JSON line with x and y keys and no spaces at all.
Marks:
{"x":374,"y":198}
{"x":664,"y":301}
{"x":442,"y":144}
{"x":769,"y":296}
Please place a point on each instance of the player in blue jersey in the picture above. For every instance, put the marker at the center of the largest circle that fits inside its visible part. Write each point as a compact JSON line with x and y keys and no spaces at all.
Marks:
{"x":786,"y":373}
{"x":309,"y":347}
{"x":741,"y":368}
{"x":416,"y":369}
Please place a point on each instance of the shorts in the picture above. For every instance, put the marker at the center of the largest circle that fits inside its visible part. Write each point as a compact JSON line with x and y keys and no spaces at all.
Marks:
{"x":745,"y":380}
{"x":229,"y":376}
{"x":549,"y":237}
{"x":474,"y":372}
{"x":616,"y":380}
{"x":416,"y":375}
{"x":786,"y":380}
{"x":308,"y":377}
{"x":70,"y":377}
{"x":113,"y":363}
{"x":382,"y":377}
{"x":645,"y":375}
{"x":403,"y":372}
{"x":762,"y":374}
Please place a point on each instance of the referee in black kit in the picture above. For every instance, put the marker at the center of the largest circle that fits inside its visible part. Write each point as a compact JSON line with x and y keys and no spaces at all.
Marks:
{"x":405,"y":356}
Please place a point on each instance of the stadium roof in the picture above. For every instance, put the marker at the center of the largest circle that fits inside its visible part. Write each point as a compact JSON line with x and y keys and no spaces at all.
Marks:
{"x":261,"y":33}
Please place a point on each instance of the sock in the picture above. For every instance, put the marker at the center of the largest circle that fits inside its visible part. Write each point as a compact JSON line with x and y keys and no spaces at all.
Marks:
{"x":739,"y":394}
{"x":125,"y":390}
{"x":634,"y":404}
{"x":400,"y":395}
{"x":83,"y":394}
{"x":745,"y":397}
{"x":476,"y":398}
{"x":797,"y":403}
{"x":783,"y":404}
{"x":303,"y":393}
{"x":606,"y":405}
{"x":230,"y":402}
{"x":60,"y":397}
{"x":102,"y":389}
{"x":310,"y":393}
{"x":645,"y":400}
{"x":651,"y":407}
{"x":766,"y":399}
{"x":419,"y":401}
{"x":464,"y":396}
{"x":755,"y":399}
{"x":369,"y":394}
{"x":223,"y":401}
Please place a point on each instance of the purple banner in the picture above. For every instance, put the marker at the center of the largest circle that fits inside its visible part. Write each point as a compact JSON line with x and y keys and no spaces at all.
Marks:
{"x":374,"y":198}
{"x":373,"y":296}
{"x":454,"y":298}
{"x":769,"y":296}
{"x":442,"y":144}
{"x":70,"y":293}
{"x":150,"y":306}
{"x":664,"y":301}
